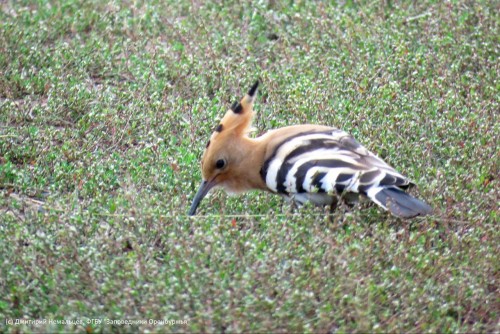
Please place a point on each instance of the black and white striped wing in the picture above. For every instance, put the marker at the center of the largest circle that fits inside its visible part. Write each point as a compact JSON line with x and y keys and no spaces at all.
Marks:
{"x":326,"y":162}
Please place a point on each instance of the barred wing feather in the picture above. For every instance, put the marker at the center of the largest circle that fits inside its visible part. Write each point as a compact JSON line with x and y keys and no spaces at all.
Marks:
{"x":326,"y":163}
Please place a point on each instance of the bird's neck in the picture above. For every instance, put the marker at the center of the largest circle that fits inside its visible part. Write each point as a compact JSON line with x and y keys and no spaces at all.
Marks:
{"x":252,"y":152}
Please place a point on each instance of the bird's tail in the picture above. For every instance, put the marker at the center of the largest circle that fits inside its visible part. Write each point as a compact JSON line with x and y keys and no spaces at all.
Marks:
{"x":398,"y":202}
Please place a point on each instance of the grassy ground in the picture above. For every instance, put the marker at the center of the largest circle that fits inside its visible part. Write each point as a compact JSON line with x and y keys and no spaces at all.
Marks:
{"x":105,"y":109}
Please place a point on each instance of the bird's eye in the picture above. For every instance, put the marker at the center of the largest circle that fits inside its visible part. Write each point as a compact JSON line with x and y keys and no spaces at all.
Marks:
{"x":220,"y":164}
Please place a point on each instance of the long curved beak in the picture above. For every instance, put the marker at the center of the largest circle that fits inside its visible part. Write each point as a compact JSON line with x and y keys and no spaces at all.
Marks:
{"x":202,"y":192}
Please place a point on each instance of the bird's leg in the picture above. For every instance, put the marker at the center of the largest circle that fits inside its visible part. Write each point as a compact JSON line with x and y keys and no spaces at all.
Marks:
{"x":333,"y":207}
{"x":291,"y":204}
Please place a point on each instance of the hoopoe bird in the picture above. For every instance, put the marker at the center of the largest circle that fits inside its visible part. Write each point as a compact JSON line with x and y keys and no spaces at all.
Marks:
{"x":302,"y":163}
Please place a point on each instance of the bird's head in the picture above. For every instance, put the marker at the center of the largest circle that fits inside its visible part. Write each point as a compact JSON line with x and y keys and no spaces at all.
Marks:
{"x":221,"y":164}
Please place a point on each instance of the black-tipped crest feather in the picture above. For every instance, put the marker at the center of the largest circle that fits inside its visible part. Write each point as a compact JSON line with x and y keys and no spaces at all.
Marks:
{"x":252,"y":90}
{"x":236,"y":107}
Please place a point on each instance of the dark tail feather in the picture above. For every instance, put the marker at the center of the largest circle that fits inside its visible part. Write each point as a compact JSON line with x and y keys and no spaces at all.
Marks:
{"x":398,"y":202}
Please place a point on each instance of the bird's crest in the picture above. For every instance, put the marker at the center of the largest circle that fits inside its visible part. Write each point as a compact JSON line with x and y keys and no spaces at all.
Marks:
{"x":239,"y":117}
{"x":237,"y":120}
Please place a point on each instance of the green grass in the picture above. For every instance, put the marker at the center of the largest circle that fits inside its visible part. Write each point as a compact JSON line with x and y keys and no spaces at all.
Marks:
{"x":105,"y":110}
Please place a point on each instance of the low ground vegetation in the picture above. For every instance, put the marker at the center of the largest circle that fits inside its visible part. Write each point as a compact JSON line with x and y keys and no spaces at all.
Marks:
{"x":105,"y":109}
